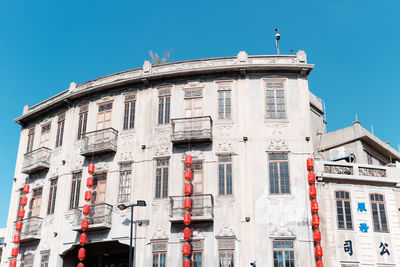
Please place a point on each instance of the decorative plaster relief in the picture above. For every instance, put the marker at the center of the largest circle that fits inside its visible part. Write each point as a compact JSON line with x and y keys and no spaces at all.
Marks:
{"x":282,"y":230}
{"x":277,"y":142}
{"x":226,"y":231}
{"x":147,"y":66}
{"x":159,"y":234}
{"x":242,"y":56}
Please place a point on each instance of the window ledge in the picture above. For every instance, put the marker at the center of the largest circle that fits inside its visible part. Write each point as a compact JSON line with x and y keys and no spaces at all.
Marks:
{"x":276,"y":121}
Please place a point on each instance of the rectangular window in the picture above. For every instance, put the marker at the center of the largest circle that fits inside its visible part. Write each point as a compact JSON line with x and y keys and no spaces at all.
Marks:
{"x":60,"y":130}
{"x":275,"y":100}
{"x":279,"y":173}
{"x":104,"y":116}
{"x":83,"y":115}
{"x":125,"y":180}
{"x":52,"y":196}
{"x":99,"y":188}
{"x":159,"y":254}
{"x":27,"y":260}
{"x":226,"y":250}
{"x":225,"y":175}
{"x":197,"y":254}
{"x":378,"y":212}
{"x":283,"y":253}
{"x":164,"y":102}
{"x":31,"y":136}
{"x":45,"y":135}
{"x":162,"y":178}
{"x":75,"y":190}
{"x":224,"y":102}
{"x":44,"y":260}
{"x":36,"y":203}
{"x":343,"y":208}
{"x":129,"y":112}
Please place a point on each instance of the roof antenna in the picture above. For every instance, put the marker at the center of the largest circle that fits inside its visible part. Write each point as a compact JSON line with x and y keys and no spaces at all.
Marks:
{"x":277,"y":38}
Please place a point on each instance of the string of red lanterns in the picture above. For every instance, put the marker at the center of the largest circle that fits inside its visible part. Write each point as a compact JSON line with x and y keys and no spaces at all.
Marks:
{"x":86,"y":214}
{"x":187,"y":218}
{"x":312,"y":192}
{"x":18,"y":225}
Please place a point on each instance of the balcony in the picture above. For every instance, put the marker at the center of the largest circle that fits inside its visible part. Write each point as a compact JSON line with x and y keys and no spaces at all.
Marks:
{"x":194,"y":129}
{"x":100,"y":217}
{"x":99,"y":142}
{"x":202,"y":208}
{"x":358,"y":172}
{"x":31,"y":229}
{"x":36,"y":160}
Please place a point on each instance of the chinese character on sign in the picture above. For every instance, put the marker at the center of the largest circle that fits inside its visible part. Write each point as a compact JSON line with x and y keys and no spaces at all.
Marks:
{"x":384,"y":249}
{"x":364,"y":227}
{"x":348,"y":247}
{"x":361,"y":207}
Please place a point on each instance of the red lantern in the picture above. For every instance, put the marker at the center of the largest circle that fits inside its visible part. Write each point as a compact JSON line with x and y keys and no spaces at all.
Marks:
{"x":21,"y":213}
{"x":188,"y":160}
{"x":26,"y":189}
{"x":312,"y":191}
{"x":186,"y":263}
{"x":81,"y":254}
{"x":186,"y":249}
{"x":315,"y":220}
{"x":91,"y":168}
{"x":187,"y":219}
{"x":310,"y":164}
{"x":318,"y":252}
{"x":188,"y":174}
{"x":314,"y":206}
{"x":86,"y":209}
{"x":320,"y":264}
{"x":18,"y":226}
{"x":88,"y":195}
{"x":84,"y":225}
{"x":187,"y":204}
{"x":317,"y":236}
{"x":17,"y":238}
{"x":23,"y":201}
{"x":13,"y":264}
{"x":81,"y":265}
{"x":311,"y":178}
{"x":186,"y":233}
{"x":89,"y":182}
{"x":14,"y":252}
{"x":83,"y":239}
{"x":188,"y":189}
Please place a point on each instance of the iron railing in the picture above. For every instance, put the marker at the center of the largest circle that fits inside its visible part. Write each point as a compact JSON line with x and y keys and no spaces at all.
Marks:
{"x":338,"y":169}
{"x":355,"y":169}
{"x":202,"y":207}
{"x":374,"y":172}
{"x":100,"y":216}
{"x":193,"y":129}
{"x":36,"y":160}
{"x":100,"y":141}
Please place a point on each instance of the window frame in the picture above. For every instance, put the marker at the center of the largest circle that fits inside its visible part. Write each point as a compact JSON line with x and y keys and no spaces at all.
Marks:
{"x":76,"y":182}
{"x":343,"y":200}
{"x":60,"y":130}
{"x":275,"y":97}
{"x":163,"y":188}
{"x":31,"y":139}
{"x":225,"y":165}
{"x":125,"y":191}
{"x":164,"y":106}
{"x":377,"y":202}
{"x":52,"y":196}
{"x":278,"y":163}
{"x":28,"y":257}
{"x":129,"y":111}
{"x":224,"y":89}
{"x":44,"y":262}
{"x":82,"y":122}
{"x":284,"y":251}
{"x":226,"y":246}
{"x":159,"y":252}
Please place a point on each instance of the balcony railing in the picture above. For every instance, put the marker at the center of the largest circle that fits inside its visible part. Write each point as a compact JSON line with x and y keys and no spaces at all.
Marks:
{"x":202,"y":208}
{"x":36,"y":160}
{"x":338,"y":169}
{"x":100,"y":217}
{"x":373,"y":172}
{"x":194,"y":129}
{"x":99,"y":142}
{"x":31,"y":229}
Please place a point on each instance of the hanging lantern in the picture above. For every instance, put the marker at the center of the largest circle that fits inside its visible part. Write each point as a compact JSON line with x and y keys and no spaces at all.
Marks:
{"x":311,"y":178}
{"x":320,"y":264}
{"x":21,"y":213}
{"x":23,"y":201}
{"x":188,"y":160}
{"x":187,"y":219}
{"x":315,"y":220}
{"x":14,"y":252}
{"x":310,"y":164}
{"x":187,"y":233}
{"x":89,"y":182}
{"x":317,"y":236}
{"x":83,"y":239}
{"x":26,"y":189}
{"x":188,"y":189}
{"x":186,"y":249}
{"x":187,"y":204}
{"x":312,"y":191}
{"x":88,"y":195}
{"x":188,"y":175}
{"x":91,"y":168}
{"x":17,"y":238}
{"x":318,"y":251}
{"x":81,"y":254}
{"x":13,"y":264}
{"x":86,"y":209}
{"x":314,"y":206}
{"x":84,"y":225}
{"x":81,"y":265}
{"x":18,"y":226}
{"x":186,"y":263}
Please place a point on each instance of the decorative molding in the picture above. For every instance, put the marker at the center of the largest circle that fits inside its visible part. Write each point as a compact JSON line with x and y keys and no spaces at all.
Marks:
{"x":159,"y":234}
{"x":277,"y":145}
{"x":242,"y":56}
{"x":147,"y":67}
{"x":226,"y":231}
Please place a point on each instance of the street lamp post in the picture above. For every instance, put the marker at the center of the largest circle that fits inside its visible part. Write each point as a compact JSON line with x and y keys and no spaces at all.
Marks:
{"x":140,"y":203}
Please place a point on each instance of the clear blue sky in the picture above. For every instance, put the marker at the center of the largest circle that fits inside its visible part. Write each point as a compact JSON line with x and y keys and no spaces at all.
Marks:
{"x":45,"y":45}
